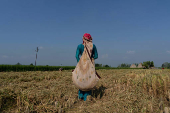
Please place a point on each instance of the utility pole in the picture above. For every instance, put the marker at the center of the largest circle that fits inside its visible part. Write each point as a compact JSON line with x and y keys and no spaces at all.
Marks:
{"x":36,"y":55}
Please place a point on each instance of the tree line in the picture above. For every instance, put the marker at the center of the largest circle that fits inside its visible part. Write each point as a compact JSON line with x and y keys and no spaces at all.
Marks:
{"x":146,"y":64}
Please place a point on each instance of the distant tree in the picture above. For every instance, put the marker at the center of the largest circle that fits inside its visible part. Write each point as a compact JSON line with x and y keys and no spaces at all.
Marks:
{"x":18,"y":63}
{"x":145,"y":64}
{"x":124,"y":65}
{"x":148,"y":64}
{"x":163,"y":65}
{"x":128,"y":65}
{"x":98,"y":65}
{"x":166,"y":65}
{"x":31,"y":64}
{"x":118,"y":66}
{"x":106,"y":65}
{"x":136,"y":64}
{"x":152,"y":64}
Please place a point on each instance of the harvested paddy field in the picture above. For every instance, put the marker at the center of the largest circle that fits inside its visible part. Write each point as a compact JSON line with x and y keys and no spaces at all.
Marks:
{"x":119,"y":91}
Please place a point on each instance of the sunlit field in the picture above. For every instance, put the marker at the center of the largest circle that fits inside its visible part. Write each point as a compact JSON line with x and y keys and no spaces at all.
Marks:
{"x":118,"y":91}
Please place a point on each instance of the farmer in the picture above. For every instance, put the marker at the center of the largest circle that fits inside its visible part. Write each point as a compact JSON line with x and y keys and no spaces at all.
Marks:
{"x":94,"y":55}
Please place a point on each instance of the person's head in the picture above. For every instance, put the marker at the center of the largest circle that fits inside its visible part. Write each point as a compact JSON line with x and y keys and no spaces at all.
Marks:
{"x":87,"y":37}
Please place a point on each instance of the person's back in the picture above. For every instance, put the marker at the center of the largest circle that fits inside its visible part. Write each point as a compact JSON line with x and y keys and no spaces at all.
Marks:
{"x":92,"y":54}
{"x":80,"y":50}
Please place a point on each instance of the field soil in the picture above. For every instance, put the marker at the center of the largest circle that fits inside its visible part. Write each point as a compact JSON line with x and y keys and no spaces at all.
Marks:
{"x":118,"y":91}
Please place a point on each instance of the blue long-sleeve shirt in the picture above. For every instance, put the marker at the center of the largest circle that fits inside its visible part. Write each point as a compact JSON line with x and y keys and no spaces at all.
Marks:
{"x":80,"y":50}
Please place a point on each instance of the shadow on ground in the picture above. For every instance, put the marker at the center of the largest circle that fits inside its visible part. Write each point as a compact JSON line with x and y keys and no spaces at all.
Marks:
{"x":98,"y":91}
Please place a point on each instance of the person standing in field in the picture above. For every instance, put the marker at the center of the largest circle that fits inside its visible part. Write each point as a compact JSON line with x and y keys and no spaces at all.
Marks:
{"x":92,"y":52}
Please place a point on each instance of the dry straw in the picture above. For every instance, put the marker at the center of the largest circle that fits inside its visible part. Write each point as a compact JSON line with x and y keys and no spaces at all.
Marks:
{"x":131,"y":91}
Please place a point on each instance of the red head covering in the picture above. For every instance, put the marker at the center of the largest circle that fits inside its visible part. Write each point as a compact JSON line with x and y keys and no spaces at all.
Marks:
{"x":87,"y":36}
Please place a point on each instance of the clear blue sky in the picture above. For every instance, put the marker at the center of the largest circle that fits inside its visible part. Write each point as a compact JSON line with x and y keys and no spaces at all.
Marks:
{"x":124,"y":31}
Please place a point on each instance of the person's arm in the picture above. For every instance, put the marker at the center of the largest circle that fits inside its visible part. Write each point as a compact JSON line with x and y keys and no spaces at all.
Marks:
{"x":77,"y":54}
{"x":95,"y":52}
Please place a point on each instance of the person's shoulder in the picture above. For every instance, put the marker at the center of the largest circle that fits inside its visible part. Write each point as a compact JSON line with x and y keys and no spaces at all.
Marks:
{"x":94,"y":45}
{"x":80,"y":45}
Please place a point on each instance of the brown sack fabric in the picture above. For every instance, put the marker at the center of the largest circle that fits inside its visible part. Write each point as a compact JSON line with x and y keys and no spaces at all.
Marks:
{"x":84,"y":76}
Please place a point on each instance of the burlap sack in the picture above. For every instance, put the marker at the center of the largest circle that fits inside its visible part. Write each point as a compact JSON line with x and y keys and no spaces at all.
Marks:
{"x":84,"y":75}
